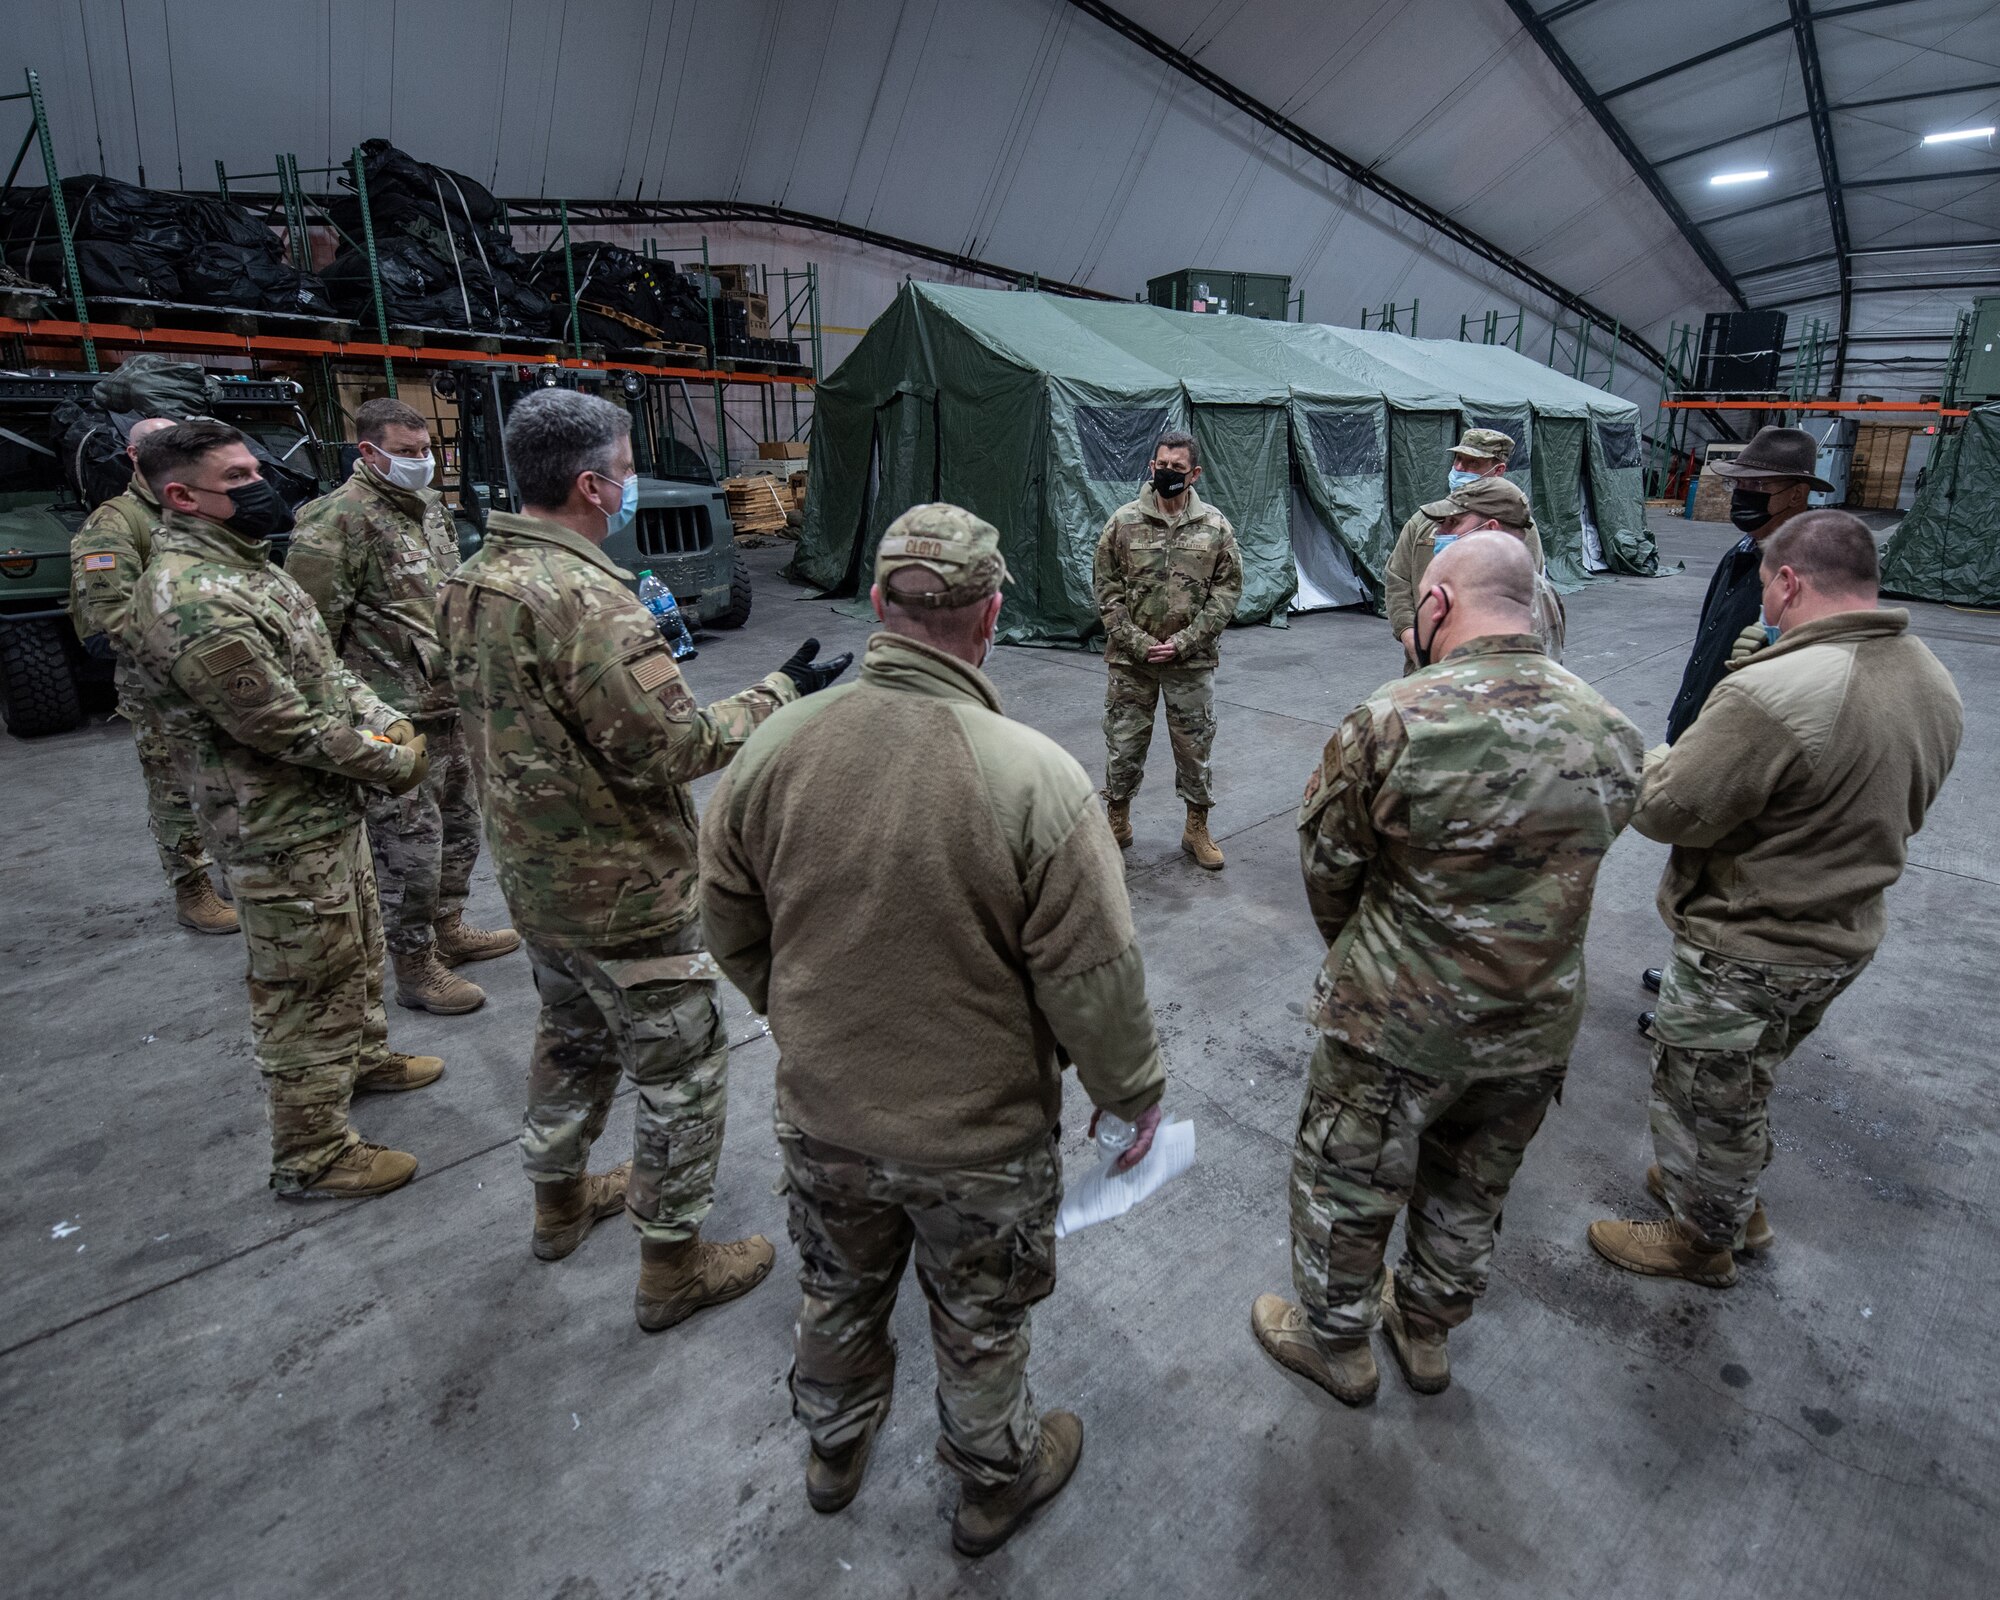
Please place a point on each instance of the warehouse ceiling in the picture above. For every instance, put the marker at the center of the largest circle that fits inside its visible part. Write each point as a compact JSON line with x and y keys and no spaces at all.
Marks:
{"x":1378,"y":151}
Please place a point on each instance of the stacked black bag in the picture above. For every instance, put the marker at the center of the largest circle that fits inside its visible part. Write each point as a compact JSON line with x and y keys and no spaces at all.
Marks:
{"x":146,"y":244}
{"x":89,"y":436}
{"x":624,"y":299}
{"x":445,"y":259}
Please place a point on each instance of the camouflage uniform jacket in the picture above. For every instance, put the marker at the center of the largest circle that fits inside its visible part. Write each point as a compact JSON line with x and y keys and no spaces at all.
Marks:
{"x":1450,"y":840}
{"x":263,"y":717}
{"x":1162,"y":578}
{"x":106,"y":557}
{"x":583,"y":736}
{"x":373,"y":557}
{"x":1416,"y":545}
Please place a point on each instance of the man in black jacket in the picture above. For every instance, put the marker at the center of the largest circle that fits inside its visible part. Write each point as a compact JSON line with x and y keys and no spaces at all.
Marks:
{"x":1771,"y":479}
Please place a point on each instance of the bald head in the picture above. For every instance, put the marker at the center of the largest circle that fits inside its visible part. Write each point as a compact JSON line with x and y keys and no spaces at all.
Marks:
{"x":1484,"y":583}
{"x":138,"y":431}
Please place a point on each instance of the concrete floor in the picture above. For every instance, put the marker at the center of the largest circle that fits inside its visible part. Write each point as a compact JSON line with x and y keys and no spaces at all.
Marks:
{"x":204,"y":1392}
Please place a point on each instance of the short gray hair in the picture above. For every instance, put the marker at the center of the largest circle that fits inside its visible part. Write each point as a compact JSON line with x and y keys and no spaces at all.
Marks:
{"x":555,"y":434}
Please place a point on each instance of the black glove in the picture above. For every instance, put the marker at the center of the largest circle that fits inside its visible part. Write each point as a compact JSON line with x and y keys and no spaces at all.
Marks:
{"x":810,"y":678}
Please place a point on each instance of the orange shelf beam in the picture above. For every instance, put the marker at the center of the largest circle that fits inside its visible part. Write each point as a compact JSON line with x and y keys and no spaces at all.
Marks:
{"x":281,"y":345}
{"x":1809,"y":405}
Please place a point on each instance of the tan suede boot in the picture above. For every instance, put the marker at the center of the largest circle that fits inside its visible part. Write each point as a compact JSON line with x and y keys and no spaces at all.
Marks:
{"x":679,"y":1277}
{"x":988,"y":1518}
{"x":399,"y":1073}
{"x":424,"y":983}
{"x":1196,"y":842}
{"x":458,"y":943}
{"x":833,"y":1481}
{"x":1348,"y":1374}
{"x":1419,"y":1347}
{"x":1757,"y":1234}
{"x":568,"y":1208}
{"x":198,"y":906}
{"x":359,"y":1172}
{"x":1660,"y":1248}
{"x":1119,"y":814}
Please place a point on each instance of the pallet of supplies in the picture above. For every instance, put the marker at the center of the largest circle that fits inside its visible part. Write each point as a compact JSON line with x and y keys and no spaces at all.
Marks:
{"x":756,"y":504}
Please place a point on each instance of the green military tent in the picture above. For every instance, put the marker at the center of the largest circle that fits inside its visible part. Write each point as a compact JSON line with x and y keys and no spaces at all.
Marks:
{"x":1040,"y":413}
{"x":1948,"y":547}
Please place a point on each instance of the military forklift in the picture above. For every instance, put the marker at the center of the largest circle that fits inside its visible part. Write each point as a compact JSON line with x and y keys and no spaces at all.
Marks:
{"x":682,"y":532}
{"x":47,"y":678}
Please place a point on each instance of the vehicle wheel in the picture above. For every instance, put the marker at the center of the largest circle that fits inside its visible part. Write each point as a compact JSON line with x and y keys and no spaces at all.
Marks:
{"x":37,"y":689}
{"x":739,"y":597}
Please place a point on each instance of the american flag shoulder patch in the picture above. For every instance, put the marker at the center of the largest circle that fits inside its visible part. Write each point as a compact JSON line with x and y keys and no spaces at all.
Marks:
{"x":100,"y":561}
{"x":653,"y":671}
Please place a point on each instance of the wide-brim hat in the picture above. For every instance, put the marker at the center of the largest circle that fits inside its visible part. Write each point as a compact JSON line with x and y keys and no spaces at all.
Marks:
{"x":1776,"y":453}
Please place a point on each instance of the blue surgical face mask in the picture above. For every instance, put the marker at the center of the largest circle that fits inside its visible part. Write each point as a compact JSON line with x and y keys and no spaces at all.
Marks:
{"x":618,"y":521}
{"x":1770,"y":629}
{"x":1440,"y":540}
{"x":1459,"y":479}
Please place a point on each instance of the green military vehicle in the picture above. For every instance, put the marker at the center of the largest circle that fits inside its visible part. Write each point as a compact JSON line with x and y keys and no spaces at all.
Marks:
{"x":47,"y":677}
{"x":682,"y":532}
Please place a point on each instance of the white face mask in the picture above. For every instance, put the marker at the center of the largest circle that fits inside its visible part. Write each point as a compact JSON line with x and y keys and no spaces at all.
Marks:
{"x":405,"y":472}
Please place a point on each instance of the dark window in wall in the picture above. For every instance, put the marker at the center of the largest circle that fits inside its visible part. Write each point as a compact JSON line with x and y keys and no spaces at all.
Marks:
{"x":1345,"y":443}
{"x":1619,"y":442}
{"x":1520,"y":430}
{"x":1118,"y":440}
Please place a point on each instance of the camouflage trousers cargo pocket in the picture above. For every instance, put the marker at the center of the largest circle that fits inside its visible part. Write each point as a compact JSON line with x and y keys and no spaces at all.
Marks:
{"x":1375,"y":1137}
{"x":1720,"y":1033}
{"x":649,"y":1012}
{"x":313,"y":938}
{"x":984,"y":1241}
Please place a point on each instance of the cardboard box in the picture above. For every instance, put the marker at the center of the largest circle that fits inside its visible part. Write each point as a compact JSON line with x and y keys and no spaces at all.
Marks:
{"x":758,"y":320}
{"x":782,"y":450}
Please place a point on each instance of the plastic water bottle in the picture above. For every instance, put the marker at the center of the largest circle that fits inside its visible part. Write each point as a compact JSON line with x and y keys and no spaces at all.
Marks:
{"x":1114,"y":1137}
{"x":657,"y":598}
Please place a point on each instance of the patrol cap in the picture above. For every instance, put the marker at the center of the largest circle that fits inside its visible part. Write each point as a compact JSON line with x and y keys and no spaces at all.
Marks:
{"x":962,"y":551}
{"x":1483,"y":444}
{"x":1489,"y":497}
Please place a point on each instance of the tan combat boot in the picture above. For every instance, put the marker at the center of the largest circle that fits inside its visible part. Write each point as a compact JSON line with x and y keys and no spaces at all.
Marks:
{"x":988,"y":1518}
{"x":1419,"y":1347}
{"x":399,"y":1073}
{"x":833,"y":1481}
{"x":198,"y":906}
{"x":1757,"y":1234}
{"x":1119,"y":814}
{"x":679,"y":1277}
{"x":458,"y":944}
{"x":1348,"y":1373}
{"x":359,"y":1171}
{"x":1196,"y":842}
{"x":1661,"y":1249}
{"x":568,"y":1208}
{"x":424,"y":983}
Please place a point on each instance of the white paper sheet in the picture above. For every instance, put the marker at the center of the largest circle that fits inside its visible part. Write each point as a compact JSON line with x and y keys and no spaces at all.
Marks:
{"x":1103,"y":1195}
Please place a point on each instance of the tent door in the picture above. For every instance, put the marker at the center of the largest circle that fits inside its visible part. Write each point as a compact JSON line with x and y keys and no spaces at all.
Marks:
{"x":1586,"y":510}
{"x":1326,"y":574}
{"x":902,"y":472}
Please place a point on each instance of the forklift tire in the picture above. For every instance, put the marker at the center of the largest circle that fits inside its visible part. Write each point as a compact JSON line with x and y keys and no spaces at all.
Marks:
{"x":38,"y":691}
{"x":739,"y":597}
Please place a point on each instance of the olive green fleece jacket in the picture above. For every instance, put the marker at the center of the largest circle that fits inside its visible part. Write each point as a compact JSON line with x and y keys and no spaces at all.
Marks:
{"x":925,"y":899}
{"x":1791,"y":799}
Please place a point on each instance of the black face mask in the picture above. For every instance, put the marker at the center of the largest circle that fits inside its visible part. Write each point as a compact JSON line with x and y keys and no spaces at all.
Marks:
{"x":1749,"y":509}
{"x":260,"y":511}
{"x":1422,"y":644}
{"x":1169,"y":481}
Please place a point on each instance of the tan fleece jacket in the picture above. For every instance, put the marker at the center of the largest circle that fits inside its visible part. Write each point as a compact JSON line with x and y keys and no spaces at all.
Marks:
{"x":925,"y":899}
{"x":1791,"y":799}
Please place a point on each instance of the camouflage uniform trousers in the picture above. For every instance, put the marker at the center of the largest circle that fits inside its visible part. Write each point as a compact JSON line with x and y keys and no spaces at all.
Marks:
{"x":426,"y":841}
{"x":176,"y":834}
{"x":1374,"y":1137}
{"x":1130,"y":694}
{"x":1721,"y":1030}
{"x":633,"y":1009}
{"x":314,"y":937}
{"x":985,"y":1244}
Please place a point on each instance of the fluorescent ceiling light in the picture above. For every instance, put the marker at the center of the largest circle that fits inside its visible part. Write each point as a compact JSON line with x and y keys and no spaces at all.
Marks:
{"x":1741,"y":177}
{"x":1956,"y":136}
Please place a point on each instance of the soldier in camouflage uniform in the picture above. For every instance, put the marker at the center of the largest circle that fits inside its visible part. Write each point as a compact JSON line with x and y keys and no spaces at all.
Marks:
{"x":1168,"y":577}
{"x":372,"y":555}
{"x":1450,"y":838}
{"x":584,"y":738}
{"x":275,"y":741}
{"x":921,"y":976}
{"x":105,"y":560}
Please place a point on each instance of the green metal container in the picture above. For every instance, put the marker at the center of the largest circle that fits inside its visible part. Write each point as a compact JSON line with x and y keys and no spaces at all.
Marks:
{"x":1982,"y":360}
{"x":1235,"y":294}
